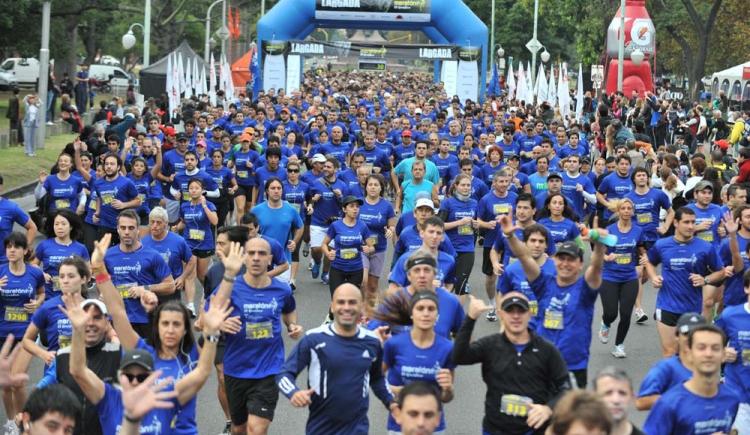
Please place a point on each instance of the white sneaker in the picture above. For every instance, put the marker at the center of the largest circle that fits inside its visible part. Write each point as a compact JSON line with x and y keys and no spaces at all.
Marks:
{"x":603,"y":333}
{"x":640,"y":316}
{"x":191,"y":308}
{"x":619,"y":351}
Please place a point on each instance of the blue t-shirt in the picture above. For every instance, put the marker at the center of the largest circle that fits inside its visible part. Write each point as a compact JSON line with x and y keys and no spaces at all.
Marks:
{"x":409,"y":240}
{"x":444,"y":165}
{"x":63,"y":193}
{"x":10,"y":213}
{"x":678,"y":295}
{"x":538,"y":183}
{"x":278,"y":223}
{"x":244,"y":165}
{"x":263,"y":174}
{"x":172,"y":163}
{"x":488,"y":172}
{"x":615,"y":186}
{"x":664,"y":375}
{"x":143,"y":186}
{"x":341,"y":371}
{"x":19,"y":290}
{"x":490,"y":207}
{"x":122,"y":189}
{"x":646,"y":212}
{"x":197,"y":231}
{"x":296,"y":195}
{"x":735,"y":322}
{"x":173,"y":249}
{"x":377,"y":158}
{"x":501,"y":242}
{"x":177,"y":368}
{"x":711,"y":214}
{"x":565,"y":316}
{"x":128,"y":269}
{"x":446,"y":270}
{"x":376,"y":217}
{"x":451,"y":315}
{"x":570,"y":191}
{"x":461,"y":237}
{"x":340,"y":151}
{"x":734,"y":290}
{"x":622,"y":269}
{"x":257,"y":350}
{"x":348,"y":242}
{"x":110,"y":410}
{"x":50,"y":319}
{"x":409,"y":191}
{"x":222,"y":177}
{"x":51,"y":254}
{"x":182,"y":179}
{"x":514,"y":279}
{"x":681,"y":412}
{"x":408,"y":363}
{"x":328,"y":205}
{"x":560,"y":231}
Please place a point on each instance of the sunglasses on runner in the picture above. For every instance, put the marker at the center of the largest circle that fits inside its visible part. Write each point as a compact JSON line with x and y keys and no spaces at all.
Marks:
{"x":141,"y":378}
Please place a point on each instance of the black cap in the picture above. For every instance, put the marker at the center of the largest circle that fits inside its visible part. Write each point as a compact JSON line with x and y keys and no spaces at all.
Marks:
{"x":585,"y":160}
{"x":138,"y":357}
{"x":350,"y":199}
{"x":554,"y":175}
{"x":689,"y":321}
{"x":570,"y":248}
{"x":514,"y":301}
{"x":508,"y":129}
{"x":514,"y":157}
{"x":182,"y":136}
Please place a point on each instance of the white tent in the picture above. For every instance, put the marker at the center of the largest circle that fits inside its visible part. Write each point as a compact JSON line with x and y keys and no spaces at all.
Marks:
{"x":732,"y":83}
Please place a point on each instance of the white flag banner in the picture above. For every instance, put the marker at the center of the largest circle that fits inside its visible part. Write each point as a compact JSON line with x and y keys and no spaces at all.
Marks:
{"x":579,"y":94}
{"x":529,"y":85}
{"x":188,"y":78}
{"x":552,"y":88}
{"x":201,"y":81}
{"x":228,"y":85}
{"x":196,"y":76}
{"x":212,"y":81}
{"x":168,"y":90}
{"x":175,"y":94}
{"x":563,"y":93}
{"x":541,"y":85}
{"x":522,"y":90}
{"x":511,"y":82}
{"x":180,"y":74}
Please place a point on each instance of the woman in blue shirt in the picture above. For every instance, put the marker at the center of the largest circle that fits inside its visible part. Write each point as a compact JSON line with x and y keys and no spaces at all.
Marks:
{"x":459,"y":212}
{"x":21,"y":293}
{"x":619,"y":278}
{"x":63,"y":230}
{"x":559,"y":219}
{"x":142,"y":179}
{"x":296,"y":193}
{"x":224,"y":178}
{"x":378,"y":215}
{"x":245,"y":161}
{"x":63,"y":190}
{"x":291,"y":147}
{"x":350,"y":236}
{"x":420,"y":355}
{"x":196,"y":218}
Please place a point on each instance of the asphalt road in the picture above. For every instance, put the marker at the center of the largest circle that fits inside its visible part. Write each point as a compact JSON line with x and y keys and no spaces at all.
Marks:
{"x":464,"y":413}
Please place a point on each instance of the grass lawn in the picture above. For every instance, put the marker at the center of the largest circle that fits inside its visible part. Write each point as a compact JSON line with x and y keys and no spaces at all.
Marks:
{"x":17,"y":169}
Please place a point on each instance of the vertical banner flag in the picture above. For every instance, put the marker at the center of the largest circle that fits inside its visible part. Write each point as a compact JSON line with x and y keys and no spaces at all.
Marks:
{"x":579,"y":94}
{"x":552,"y":87}
{"x":212,"y":81}
{"x":255,"y":72}
{"x":511,"y":82}
{"x":493,"y":89}
{"x":541,"y":85}
{"x":522,"y":90}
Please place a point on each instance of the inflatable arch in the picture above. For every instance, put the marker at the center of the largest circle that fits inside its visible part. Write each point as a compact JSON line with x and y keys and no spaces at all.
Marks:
{"x":446,"y":22}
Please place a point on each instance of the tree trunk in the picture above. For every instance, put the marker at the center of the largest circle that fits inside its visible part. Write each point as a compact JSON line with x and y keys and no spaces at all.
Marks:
{"x":71,"y":60}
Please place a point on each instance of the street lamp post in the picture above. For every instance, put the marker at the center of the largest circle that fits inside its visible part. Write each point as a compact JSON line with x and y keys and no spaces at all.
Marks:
{"x":492,"y":32}
{"x":128,"y":39}
{"x":621,"y":47}
{"x":534,"y":45}
{"x":44,"y":76}
{"x":207,"y":48}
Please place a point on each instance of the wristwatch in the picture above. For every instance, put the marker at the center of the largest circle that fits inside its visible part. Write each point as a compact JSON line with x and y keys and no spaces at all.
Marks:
{"x":213,"y":338}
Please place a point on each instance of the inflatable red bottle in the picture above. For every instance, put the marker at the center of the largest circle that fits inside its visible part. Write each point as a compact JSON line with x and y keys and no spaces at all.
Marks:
{"x":639,"y":34}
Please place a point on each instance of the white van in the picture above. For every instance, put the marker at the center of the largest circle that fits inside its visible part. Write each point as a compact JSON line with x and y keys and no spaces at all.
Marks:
{"x":24,"y":69}
{"x":117,"y":76}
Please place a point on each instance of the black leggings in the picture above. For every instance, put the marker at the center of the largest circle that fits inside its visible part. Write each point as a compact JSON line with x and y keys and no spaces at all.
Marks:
{"x":464,"y":264}
{"x":222,"y":210}
{"x":618,"y":296}
{"x":337,"y":277}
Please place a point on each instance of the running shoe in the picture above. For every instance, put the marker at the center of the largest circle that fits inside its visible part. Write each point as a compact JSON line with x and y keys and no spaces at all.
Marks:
{"x":619,"y":351}
{"x":324,"y":278}
{"x":603,"y":333}
{"x":305,"y":250}
{"x":315,"y":270}
{"x":492,"y":316}
{"x":640,"y":316}
{"x":191,"y":308}
{"x":293,"y":286}
{"x":227,"y":429}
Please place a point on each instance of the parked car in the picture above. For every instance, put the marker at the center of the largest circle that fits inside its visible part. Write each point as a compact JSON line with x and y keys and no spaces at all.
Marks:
{"x":24,"y":69}
{"x":115,"y":76}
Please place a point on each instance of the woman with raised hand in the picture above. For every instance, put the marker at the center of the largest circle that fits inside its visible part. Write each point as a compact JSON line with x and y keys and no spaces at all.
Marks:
{"x":63,"y":190}
{"x":172,"y":350}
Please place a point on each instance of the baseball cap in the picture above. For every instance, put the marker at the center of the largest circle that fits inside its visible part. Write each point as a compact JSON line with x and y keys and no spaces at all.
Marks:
{"x":201,"y":143}
{"x":406,"y":133}
{"x":570,"y":248}
{"x":350,"y":199}
{"x":704,"y":184}
{"x":516,"y":157}
{"x":418,"y":110}
{"x":99,"y":304}
{"x":508,"y":129}
{"x":722,"y":143}
{"x":319,"y":158}
{"x":246,"y":138}
{"x":514,"y":301}
{"x":554,"y":175}
{"x":182,"y":136}
{"x":285,"y":110}
{"x":424,"y":202}
{"x":169,"y":131}
{"x":138,"y":357}
{"x":688,"y":322}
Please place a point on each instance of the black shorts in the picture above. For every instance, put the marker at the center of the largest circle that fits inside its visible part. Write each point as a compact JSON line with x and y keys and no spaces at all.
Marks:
{"x":647,"y":244}
{"x":221,"y":346}
{"x":487,"y":268}
{"x":16,"y":341}
{"x":143,"y":330}
{"x":204,"y":253}
{"x":246,"y":191}
{"x":256,"y":397}
{"x":666,"y":317}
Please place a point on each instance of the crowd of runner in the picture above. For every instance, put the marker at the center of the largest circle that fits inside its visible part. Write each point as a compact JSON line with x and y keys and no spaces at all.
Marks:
{"x":159,"y":257}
